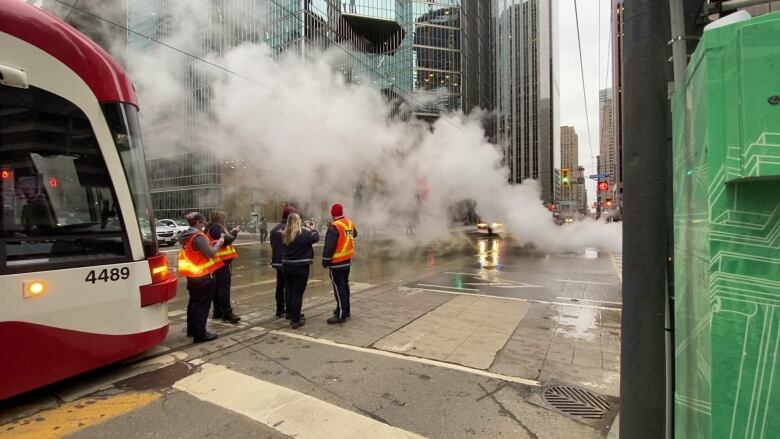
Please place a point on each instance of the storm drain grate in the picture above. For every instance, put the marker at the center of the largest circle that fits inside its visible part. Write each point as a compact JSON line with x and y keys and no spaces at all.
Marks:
{"x":574,"y":401}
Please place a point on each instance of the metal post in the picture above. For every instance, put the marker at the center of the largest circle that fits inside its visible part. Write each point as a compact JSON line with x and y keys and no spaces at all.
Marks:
{"x":646,"y":144}
{"x":678,"y":41}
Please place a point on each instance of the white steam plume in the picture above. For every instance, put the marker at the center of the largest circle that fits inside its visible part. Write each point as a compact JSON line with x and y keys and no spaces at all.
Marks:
{"x":310,"y":137}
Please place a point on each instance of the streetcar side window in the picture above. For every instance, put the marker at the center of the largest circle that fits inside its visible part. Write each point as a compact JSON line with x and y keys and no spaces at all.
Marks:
{"x":59,"y":208}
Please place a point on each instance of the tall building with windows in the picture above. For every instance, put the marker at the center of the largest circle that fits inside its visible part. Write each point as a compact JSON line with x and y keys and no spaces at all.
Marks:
{"x":617,"y":87}
{"x":183,"y":175}
{"x":526,"y":91}
{"x":569,"y":160}
{"x":581,"y":192}
{"x":607,"y":150}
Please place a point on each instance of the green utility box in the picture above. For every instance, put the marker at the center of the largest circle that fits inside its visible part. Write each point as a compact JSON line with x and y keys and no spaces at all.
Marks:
{"x":727,"y":235}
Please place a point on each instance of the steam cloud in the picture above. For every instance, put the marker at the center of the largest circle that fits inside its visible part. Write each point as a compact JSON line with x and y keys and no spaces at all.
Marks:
{"x":308,"y":136}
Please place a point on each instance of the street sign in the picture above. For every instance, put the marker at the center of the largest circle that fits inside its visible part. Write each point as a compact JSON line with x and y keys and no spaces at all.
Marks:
{"x":598,"y":176}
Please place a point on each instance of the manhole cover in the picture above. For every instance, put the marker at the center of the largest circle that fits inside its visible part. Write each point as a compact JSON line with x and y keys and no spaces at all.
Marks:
{"x":574,"y":401}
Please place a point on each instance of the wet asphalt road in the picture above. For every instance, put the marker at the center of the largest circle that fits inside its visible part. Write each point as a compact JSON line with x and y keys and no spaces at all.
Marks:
{"x":446,"y":340}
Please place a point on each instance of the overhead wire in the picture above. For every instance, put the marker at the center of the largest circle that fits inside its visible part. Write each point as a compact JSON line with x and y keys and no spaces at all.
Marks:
{"x":582,"y":76}
{"x":176,"y":49}
{"x":225,"y":69}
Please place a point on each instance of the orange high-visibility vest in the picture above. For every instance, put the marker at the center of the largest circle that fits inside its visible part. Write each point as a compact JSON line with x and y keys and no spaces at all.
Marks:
{"x":193,"y":263}
{"x":227,"y":253}
{"x":345,"y":247}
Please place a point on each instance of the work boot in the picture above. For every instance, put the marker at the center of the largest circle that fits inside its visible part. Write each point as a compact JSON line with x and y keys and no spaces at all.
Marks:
{"x":217,"y":314}
{"x":297,"y":325}
{"x":336,"y":313}
{"x":229,"y":317}
{"x":208,"y":337}
{"x":336,"y":321}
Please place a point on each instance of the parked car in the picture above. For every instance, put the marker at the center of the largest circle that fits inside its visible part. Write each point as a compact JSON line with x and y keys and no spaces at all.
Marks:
{"x":165,"y":234}
{"x":178,"y":225}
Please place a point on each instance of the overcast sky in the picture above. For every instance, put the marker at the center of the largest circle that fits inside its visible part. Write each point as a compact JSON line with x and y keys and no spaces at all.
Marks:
{"x":594,"y":56}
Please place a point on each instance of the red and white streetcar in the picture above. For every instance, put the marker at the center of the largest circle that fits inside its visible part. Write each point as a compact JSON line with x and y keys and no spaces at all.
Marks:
{"x":82,"y":284}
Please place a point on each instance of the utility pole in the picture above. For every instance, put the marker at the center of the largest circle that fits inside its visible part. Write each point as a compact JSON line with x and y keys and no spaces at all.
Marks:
{"x":647,"y":185}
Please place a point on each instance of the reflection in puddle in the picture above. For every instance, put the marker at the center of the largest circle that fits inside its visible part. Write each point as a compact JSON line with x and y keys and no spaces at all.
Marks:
{"x":490,"y":254}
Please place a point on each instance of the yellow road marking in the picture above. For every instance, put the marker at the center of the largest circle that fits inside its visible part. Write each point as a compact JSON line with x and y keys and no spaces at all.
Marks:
{"x":75,"y":416}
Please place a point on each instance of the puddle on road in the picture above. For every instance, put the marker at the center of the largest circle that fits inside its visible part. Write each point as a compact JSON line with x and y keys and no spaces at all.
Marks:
{"x":157,"y":379}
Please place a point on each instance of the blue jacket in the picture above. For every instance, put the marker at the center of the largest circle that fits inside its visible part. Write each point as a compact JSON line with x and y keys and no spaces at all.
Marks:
{"x":300,"y":251}
{"x":277,"y":246}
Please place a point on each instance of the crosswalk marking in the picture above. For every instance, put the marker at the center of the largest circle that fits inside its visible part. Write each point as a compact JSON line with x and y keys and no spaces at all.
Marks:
{"x":289,"y":412}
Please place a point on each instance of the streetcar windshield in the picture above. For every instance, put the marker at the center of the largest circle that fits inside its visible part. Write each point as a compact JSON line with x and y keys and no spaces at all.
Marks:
{"x":58,"y":203}
{"x":123,"y":121}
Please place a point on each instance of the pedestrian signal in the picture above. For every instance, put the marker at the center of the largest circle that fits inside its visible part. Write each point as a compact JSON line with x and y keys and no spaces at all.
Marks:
{"x":603,"y":186}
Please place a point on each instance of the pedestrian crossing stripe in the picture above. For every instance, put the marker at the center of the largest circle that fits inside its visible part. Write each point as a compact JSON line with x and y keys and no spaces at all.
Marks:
{"x":287,"y":411}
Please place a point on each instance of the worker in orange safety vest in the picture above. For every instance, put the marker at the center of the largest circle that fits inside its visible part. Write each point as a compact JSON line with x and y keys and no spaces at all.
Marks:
{"x":223,"y":308}
{"x":337,"y":256}
{"x":198,"y":262}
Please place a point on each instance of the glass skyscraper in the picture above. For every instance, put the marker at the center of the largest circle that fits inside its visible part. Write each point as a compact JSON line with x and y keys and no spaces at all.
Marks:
{"x":183,"y":175}
{"x":527,"y":93}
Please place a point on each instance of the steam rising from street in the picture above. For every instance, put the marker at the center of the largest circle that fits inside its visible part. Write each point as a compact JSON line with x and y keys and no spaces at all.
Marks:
{"x":308,"y":136}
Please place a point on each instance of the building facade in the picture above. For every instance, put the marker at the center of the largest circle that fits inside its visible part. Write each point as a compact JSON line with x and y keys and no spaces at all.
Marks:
{"x":607,"y":152}
{"x":569,"y":161}
{"x":526,"y":91}
{"x":617,"y":87}
{"x":184,"y":174}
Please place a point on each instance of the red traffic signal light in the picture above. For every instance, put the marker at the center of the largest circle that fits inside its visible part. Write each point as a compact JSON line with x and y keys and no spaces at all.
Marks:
{"x":603,"y":186}
{"x":53,"y":182}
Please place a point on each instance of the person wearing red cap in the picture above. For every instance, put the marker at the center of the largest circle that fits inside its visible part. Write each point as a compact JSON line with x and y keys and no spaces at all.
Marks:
{"x":337,"y":256}
{"x":277,"y":251}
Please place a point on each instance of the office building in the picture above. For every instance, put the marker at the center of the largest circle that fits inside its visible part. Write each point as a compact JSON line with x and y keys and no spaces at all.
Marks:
{"x":184,"y":174}
{"x":526,"y":94}
{"x":607,"y":151}
{"x":617,"y":104}
{"x":569,"y":161}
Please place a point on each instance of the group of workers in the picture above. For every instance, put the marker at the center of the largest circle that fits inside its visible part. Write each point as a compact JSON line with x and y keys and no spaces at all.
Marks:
{"x":206,"y":252}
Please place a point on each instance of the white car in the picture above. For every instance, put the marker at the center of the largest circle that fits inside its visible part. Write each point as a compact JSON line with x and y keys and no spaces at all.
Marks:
{"x":178,"y":225}
{"x":165,"y":234}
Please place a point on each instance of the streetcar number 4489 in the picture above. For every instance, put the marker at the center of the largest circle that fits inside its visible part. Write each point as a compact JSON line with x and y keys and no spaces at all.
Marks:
{"x":106,"y":275}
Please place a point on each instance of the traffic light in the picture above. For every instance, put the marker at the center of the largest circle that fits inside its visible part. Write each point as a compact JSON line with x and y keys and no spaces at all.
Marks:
{"x":608,"y":202}
{"x":603,"y":186}
{"x":565,"y":176}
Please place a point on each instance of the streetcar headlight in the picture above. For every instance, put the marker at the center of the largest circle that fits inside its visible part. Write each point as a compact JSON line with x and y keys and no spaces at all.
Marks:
{"x":33,"y":288}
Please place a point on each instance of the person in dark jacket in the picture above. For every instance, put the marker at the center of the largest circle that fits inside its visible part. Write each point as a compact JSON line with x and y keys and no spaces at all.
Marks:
{"x":277,"y":252}
{"x":337,"y":257}
{"x":216,"y":228}
{"x":199,"y":269}
{"x":298,"y":256}
{"x":263,"y":230}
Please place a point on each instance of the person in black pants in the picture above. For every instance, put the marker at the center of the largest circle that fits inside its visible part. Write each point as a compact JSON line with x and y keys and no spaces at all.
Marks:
{"x":277,"y":252}
{"x":197,"y":262}
{"x":337,"y":256}
{"x":222,"y":303}
{"x":298,"y":256}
